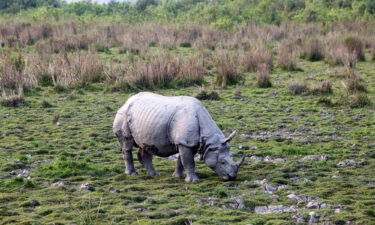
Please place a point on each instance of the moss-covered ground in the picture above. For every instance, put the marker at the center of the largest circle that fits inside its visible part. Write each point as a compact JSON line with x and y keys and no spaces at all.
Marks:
{"x":36,"y":153}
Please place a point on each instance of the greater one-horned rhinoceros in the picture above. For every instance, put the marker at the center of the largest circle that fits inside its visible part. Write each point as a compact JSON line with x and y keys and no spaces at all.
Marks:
{"x":164,"y":126}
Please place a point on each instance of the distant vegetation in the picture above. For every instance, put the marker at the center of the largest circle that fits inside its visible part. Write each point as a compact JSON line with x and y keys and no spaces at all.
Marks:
{"x":223,"y":14}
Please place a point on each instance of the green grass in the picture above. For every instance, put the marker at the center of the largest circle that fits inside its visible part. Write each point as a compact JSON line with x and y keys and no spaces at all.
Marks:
{"x":84,"y":149}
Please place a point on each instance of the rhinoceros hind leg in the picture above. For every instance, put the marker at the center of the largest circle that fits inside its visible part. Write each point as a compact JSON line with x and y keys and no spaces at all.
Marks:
{"x":146,"y":159}
{"x":187,"y":159}
{"x":178,"y":172}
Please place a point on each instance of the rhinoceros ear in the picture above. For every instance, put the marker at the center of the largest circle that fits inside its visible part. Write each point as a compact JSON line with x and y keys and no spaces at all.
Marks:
{"x":230,"y":137}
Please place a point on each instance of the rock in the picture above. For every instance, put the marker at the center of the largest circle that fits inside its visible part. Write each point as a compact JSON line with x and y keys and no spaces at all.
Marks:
{"x":362,"y":162}
{"x":113,"y":190}
{"x":58,"y":184}
{"x":300,"y":180}
{"x":241,"y":147}
{"x":312,"y":205}
{"x":274,"y":209}
{"x":314,"y":218}
{"x":34,"y":203}
{"x":299,"y":218}
{"x":323,"y":205}
{"x":337,"y":211}
{"x":86,"y":186}
{"x":151,"y":200}
{"x":212,"y":203}
{"x":59,"y":124}
{"x":317,"y":158}
{"x":349,"y":162}
{"x":299,"y":199}
{"x":238,"y":203}
{"x":254,"y":158}
{"x":274,"y":160}
{"x":264,"y":181}
{"x":5,"y":116}
{"x":270,"y":188}
{"x":281,"y":187}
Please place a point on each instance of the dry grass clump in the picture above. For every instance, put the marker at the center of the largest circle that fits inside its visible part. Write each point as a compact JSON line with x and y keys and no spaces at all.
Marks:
{"x":355,"y":46}
{"x":287,"y":59}
{"x":263,"y":79}
{"x":325,"y":87}
{"x":353,"y":83}
{"x":192,"y":71}
{"x":65,"y":71}
{"x":12,"y":69}
{"x":298,"y":87}
{"x":338,"y":54}
{"x":13,"y":99}
{"x":158,"y":71}
{"x":227,"y":68}
{"x":204,"y":95}
{"x":313,"y":50}
{"x":326,"y":102}
{"x":359,"y":100}
{"x":251,"y":60}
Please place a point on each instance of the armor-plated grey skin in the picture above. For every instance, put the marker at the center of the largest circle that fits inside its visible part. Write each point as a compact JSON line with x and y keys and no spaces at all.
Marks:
{"x":164,"y":126}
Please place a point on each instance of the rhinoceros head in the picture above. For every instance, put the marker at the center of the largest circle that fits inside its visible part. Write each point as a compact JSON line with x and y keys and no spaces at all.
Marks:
{"x":218,"y":159}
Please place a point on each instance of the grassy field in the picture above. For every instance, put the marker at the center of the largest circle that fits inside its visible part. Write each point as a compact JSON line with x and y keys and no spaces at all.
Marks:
{"x":59,"y":141}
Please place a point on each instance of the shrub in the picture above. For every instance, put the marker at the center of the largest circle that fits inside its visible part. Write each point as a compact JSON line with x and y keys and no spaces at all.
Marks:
{"x":227,"y":72}
{"x":46,"y":104}
{"x":287,"y":58}
{"x":355,"y":46}
{"x":298,"y":87}
{"x":326,"y":102}
{"x":263,"y":77}
{"x":353,"y":83}
{"x":250,"y":61}
{"x":359,"y":100}
{"x":325,"y":87}
{"x":13,"y":99}
{"x":313,"y":50}
{"x":337,"y":54}
{"x":191,"y":71}
{"x":204,"y":95}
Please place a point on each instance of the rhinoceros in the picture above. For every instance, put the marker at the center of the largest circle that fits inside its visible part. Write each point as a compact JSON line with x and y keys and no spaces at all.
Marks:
{"x":163,"y":126}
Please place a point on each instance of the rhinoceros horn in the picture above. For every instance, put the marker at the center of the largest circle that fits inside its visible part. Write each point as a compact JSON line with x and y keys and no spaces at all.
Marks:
{"x":230,"y":137}
{"x":241,"y":161}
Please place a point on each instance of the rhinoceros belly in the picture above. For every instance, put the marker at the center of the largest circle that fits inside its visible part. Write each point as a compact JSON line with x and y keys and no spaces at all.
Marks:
{"x":148,"y":121}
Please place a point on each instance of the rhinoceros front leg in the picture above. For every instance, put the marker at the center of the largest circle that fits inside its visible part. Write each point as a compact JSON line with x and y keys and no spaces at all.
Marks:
{"x":187,"y":159}
{"x":126,"y":148}
{"x":146,"y":159}
{"x":178,"y":172}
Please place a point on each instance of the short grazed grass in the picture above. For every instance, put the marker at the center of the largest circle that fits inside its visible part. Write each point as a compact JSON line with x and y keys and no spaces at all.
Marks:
{"x":36,"y":153}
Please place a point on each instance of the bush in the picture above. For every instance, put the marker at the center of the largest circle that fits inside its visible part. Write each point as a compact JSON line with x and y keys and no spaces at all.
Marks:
{"x":359,"y":100}
{"x":325,"y":87}
{"x":250,"y":61}
{"x":263,"y":77}
{"x":13,"y":99}
{"x":227,"y":72}
{"x":354,"y":84}
{"x":298,"y":87}
{"x":287,"y":58}
{"x":355,"y":46}
{"x":204,"y":95}
{"x":313,"y":50}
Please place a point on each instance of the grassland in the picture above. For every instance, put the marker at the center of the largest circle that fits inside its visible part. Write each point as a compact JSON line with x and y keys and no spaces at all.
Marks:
{"x":84,"y":150}
{"x":60,"y":138}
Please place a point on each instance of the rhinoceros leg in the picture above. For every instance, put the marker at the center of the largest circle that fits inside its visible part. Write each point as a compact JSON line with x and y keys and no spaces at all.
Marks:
{"x":187,"y":159}
{"x":146,"y":159}
{"x":178,"y":172}
{"x":126,"y":148}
